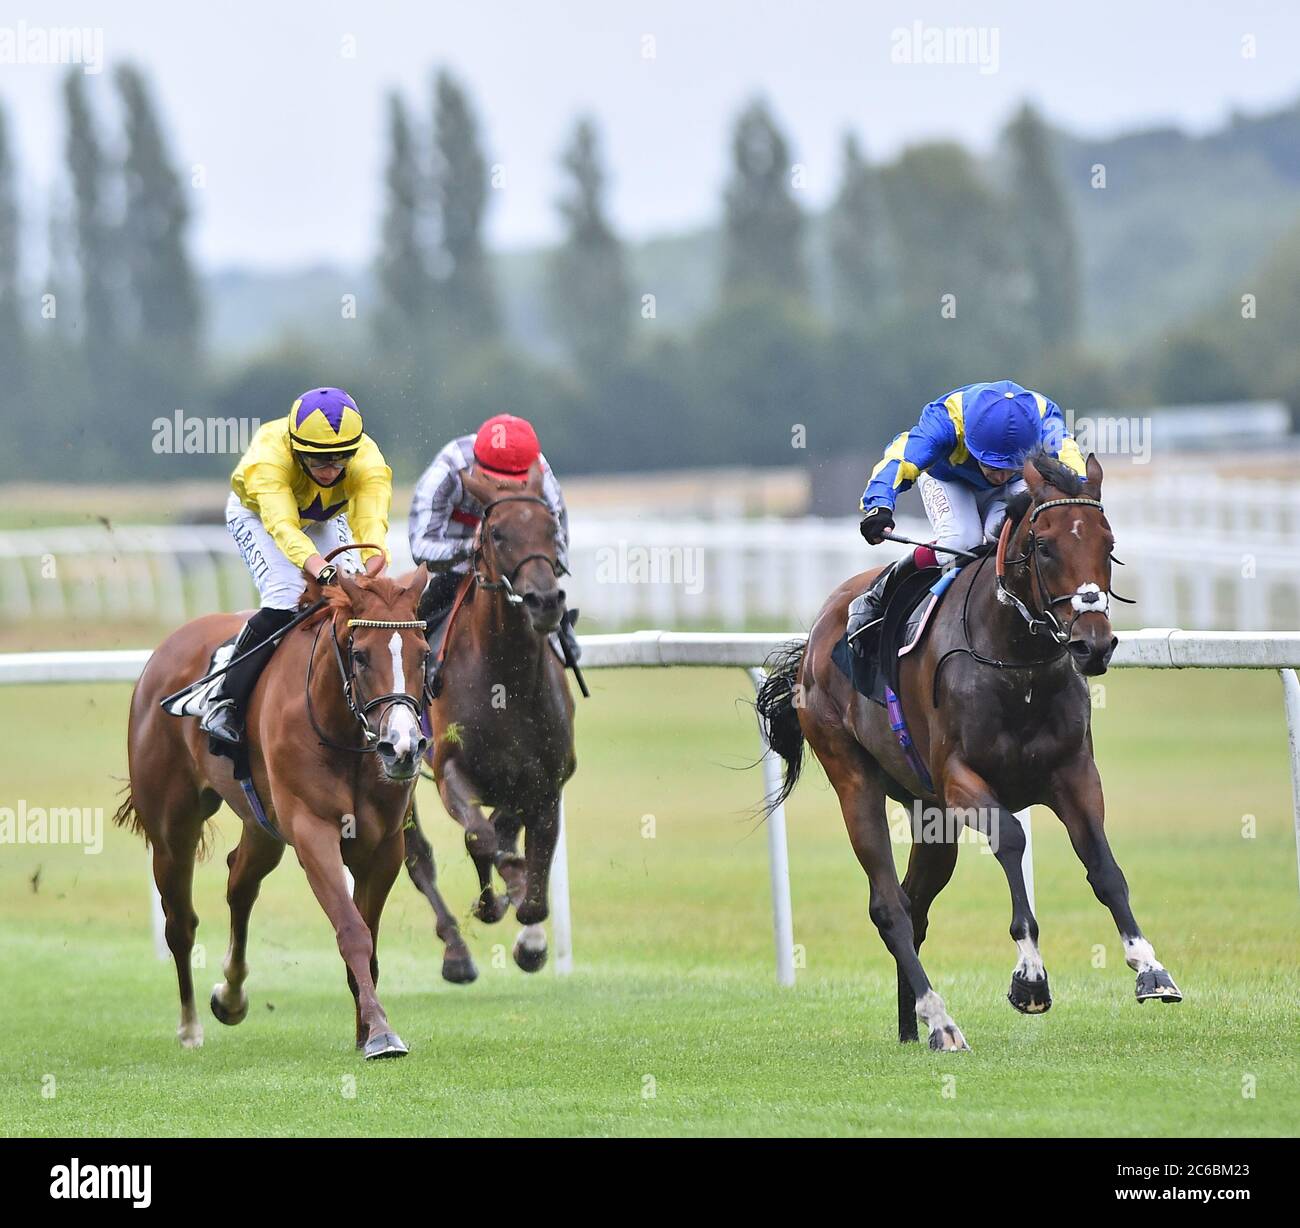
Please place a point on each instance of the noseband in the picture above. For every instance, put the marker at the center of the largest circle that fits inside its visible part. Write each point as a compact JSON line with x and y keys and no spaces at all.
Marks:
{"x":506,"y":582}
{"x":361,"y":709}
{"x":1087,"y":599}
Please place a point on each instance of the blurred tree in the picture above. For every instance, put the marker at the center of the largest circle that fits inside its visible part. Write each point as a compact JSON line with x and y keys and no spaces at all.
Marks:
{"x":857,"y":240}
{"x":763,"y":225}
{"x":1042,"y":229}
{"x":465,"y":303}
{"x":162,"y":282}
{"x":13,"y":338}
{"x":587,"y":277}
{"x":405,"y":288}
{"x":97,"y":249}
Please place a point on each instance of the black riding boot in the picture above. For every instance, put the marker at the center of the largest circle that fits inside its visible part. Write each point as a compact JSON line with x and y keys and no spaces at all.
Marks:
{"x":865,"y":619}
{"x":435,"y":606}
{"x":223,"y":717}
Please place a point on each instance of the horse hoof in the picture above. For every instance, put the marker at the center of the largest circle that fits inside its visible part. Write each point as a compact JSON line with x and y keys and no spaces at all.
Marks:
{"x":948,"y":1040}
{"x":530,"y":949}
{"x":491,"y":910}
{"x":1029,"y":997}
{"x":1158,"y":984}
{"x":459,"y":970}
{"x":386,"y":1044}
{"x":228,"y":1017}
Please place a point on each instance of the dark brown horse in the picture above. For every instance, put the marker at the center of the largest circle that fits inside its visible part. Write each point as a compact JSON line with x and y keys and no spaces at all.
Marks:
{"x":503,"y":720}
{"x":1000,"y":714}
{"x":334,"y":747}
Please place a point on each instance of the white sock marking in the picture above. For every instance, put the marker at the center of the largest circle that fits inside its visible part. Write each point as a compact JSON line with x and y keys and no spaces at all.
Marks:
{"x":1140,"y":955}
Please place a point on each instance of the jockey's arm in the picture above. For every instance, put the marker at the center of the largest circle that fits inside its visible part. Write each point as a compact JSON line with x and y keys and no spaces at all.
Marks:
{"x":555,"y":500}
{"x":279,"y":512}
{"x":432,"y":504}
{"x":370,"y":498}
{"x":909,"y":455}
{"x":1058,"y":440}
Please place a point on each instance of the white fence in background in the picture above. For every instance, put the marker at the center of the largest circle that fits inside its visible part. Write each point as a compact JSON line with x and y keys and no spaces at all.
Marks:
{"x":1161,"y":648}
{"x":1233,"y":563}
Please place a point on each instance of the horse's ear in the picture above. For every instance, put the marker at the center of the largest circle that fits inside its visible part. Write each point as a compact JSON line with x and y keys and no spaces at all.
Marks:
{"x":1034,"y":479}
{"x":351,"y":589}
{"x":476,"y":486}
{"x":419,"y":580}
{"x":1094,"y":475}
{"x":533,"y":483}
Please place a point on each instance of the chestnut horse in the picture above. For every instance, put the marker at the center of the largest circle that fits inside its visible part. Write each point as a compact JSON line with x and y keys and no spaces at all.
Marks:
{"x":1000,"y":715}
{"x":334,"y":746}
{"x":502,"y":722}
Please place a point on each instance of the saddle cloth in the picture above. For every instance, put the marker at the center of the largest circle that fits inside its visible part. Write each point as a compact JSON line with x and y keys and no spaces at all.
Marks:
{"x":195,"y":702}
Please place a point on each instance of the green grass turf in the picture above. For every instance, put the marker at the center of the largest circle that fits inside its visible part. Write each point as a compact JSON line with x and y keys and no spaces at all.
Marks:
{"x":672,"y":1022}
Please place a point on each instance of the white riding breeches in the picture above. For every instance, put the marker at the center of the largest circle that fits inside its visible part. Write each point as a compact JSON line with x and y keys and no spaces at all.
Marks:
{"x":962,"y":516}
{"x":278,"y":581}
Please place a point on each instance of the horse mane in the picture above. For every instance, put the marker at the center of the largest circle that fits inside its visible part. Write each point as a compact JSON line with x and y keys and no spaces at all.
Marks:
{"x":1055,"y":473}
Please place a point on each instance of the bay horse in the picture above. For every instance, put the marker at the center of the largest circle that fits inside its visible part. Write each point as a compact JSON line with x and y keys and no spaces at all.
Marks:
{"x":502,"y":722}
{"x":1000,"y":716}
{"x":334,"y":746}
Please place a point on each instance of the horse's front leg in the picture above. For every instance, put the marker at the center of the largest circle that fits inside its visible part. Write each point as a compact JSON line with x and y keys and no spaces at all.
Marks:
{"x":970,"y":800}
{"x":458,"y":796}
{"x":541,"y":831}
{"x":1079,"y":803}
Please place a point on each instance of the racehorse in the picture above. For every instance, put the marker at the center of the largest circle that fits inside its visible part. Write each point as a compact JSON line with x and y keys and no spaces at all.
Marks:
{"x":334,"y":747}
{"x":502,"y":722}
{"x":1000,"y":716}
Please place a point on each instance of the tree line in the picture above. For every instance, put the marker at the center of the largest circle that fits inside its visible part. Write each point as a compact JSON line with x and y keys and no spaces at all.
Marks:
{"x":937,"y":269}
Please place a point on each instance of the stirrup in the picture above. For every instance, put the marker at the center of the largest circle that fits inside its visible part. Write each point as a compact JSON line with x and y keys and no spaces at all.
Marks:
{"x":221,"y":721}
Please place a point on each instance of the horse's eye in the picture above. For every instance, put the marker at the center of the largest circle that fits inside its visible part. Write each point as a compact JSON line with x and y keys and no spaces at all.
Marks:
{"x":362,"y":658}
{"x":1044,"y":548}
{"x":498,"y":536}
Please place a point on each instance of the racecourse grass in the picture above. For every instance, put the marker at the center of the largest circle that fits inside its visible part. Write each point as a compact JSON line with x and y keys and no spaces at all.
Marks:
{"x":672,"y":1023}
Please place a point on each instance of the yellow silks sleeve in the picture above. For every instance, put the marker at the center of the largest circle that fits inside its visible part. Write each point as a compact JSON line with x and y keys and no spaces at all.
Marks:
{"x":369,"y":486}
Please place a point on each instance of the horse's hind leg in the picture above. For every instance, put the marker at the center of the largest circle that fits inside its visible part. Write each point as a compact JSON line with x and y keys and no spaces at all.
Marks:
{"x":511,"y":867}
{"x":1080,"y":804}
{"x":256,"y":855}
{"x":929,"y":867}
{"x":480,"y":839}
{"x":457,"y":963}
{"x":969,"y":797}
{"x":862,"y":799}
{"x":175,"y":846}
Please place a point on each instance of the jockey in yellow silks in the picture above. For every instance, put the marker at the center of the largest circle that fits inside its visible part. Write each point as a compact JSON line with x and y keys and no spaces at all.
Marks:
{"x":307,"y":484}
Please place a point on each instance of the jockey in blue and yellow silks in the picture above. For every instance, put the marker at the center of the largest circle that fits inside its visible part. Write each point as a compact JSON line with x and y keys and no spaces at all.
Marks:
{"x":307,"y":484}
{"x":965,"y":455}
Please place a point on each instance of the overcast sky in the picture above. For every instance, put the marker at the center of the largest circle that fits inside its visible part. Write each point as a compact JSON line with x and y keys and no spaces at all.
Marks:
{"x":288,"y":123}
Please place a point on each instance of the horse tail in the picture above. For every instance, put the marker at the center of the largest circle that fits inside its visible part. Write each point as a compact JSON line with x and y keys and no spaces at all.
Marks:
{"x":128,"y":816}
{"x":778,"y":715}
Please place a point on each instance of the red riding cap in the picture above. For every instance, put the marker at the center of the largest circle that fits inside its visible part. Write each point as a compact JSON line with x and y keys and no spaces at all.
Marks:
{"x":506,"y":447}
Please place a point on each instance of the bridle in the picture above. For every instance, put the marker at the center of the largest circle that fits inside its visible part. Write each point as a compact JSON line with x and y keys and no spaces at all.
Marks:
{"x":506,"y":582}
{"x":1088,"y":598}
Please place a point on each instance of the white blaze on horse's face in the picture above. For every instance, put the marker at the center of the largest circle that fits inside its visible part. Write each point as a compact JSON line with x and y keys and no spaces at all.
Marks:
{"x":401,"y":727}
{"x":1090,"y":598}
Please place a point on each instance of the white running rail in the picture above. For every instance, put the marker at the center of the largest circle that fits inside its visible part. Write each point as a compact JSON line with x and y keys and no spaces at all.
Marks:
{"x":1154,"y":648}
